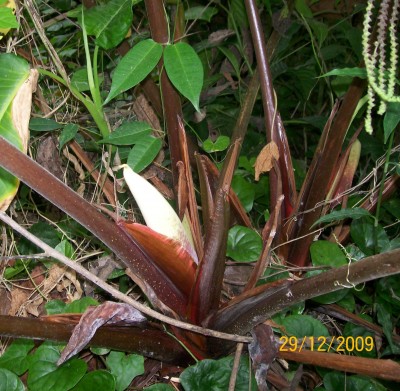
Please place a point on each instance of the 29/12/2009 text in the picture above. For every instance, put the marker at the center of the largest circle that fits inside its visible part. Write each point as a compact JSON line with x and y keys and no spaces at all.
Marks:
{"x":338,"y":344}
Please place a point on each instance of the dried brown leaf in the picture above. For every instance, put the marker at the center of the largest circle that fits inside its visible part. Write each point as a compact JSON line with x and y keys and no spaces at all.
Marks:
{"x":95,"y":317}
{"x":265,"y":159}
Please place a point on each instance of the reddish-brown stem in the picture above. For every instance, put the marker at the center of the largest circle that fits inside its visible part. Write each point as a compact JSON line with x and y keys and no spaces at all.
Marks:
{"x":46,"y":184}
{"x":148,"y":342}
{"x":170,"y":97}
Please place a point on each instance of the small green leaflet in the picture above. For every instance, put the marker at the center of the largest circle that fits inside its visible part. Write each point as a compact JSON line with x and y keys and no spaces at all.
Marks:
{"x":143,"y":153}
{"x":134,"y":67}
{"x":68,"y":133}
{"x":220,"y":144}
{"x":304,"y":326}
{"x":184,"y":69}
{"x":349,"y":213}
{"x":391,"y":119}
{"x":109,"y":22}
{"x":128,"y":133}
{"x":199,"y":12}
{"x":352,"y":72}
{"x":43,"y":125}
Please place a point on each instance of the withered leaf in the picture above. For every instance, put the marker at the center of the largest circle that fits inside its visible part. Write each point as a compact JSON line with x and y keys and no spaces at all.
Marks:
{"x":95,"y":317}
{"x":265,"y":159}
{"x":263,"y":351}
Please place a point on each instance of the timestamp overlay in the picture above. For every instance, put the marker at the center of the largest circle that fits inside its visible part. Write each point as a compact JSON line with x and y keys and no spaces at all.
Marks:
{"x":338,"y":344}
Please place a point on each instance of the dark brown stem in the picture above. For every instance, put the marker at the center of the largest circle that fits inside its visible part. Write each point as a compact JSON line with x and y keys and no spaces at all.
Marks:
{"x":148,"y":342}
{"x":241,"y":315}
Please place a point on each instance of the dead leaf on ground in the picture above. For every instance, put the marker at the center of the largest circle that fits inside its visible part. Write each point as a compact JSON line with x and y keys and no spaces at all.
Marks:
{"x":265,"y":159}
{"x":95,"y":317}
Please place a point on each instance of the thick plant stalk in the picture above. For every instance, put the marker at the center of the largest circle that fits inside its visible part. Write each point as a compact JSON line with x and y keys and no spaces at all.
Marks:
{"x":148,"y":275}
{"x":273,"y":123}
{"x":170,"y":97}
{"x":243,"y":313}
{"x":148,"y":342}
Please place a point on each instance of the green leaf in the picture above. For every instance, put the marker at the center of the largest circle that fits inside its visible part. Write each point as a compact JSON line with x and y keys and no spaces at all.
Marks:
{"x":13,"y":73}
{"x":43,"y":125}
{"x":80,"y":306}
{"x":159,"y":387}
{"x":9,"y":381}
{"x":352,"y":72}
{"x":334,"y":381}
{"x":55,"y":307}
{"x":245,"y":191}
{"x":125,"y":368}
{"x":303,"y":9}
{"x":304,"y":326}
{"x":391,"y":119}
{"x":215,"y":374}
{"x":244,"y":244}
{"x":337,"y":215}
{"x":353,"y":331}
{"x":7,"y":18}
{"x":232,"y":59}
{"x":184,"y":69}
{"x":370,"y":239}
{"x":65,"y":248}
{"x":324,"y":253}
{"x":128,"y":133}
{"x":220,"y":144}
{"x":79,"y":80}
{"x":134,"y":67}
{"x":68,"y":133}
{"x":388,"y":289}
{"x":16,"y":357}
{"x":143,"y":153}
{"x":44,"y":374}
{"x":109,"y":22}
{"x":200,"y":13}
{"x":96,"y":381}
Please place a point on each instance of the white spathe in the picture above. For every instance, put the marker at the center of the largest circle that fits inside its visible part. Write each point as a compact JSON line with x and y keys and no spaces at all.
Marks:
{"x":157,"y":212}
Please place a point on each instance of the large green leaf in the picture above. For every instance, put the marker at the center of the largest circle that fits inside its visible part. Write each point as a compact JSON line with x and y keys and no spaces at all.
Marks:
{"x":324,"y":253}
{"x":244,"y":244}
{"x":7,"y":19}
{"x":134,"y":67}
{"x":215,"y":374}
{"x":143,"y":153}
{"x":9,"y":381}
{"x":304,"y":326}
{"x":125,"y":368}
{"x":96,"y":381}
{"x":109,"y":22}
{"x":13,"y":73}
{"x":369,"y":238}
{"x":185,"y":71}
{"x":16,"y":357}
{"x":44,"y":374}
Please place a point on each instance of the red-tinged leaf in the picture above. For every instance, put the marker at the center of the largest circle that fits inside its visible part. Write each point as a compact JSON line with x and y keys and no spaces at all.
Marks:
{"x":169,"y":255}
{"x":263,"y":351}
{"x":95,"y":317}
